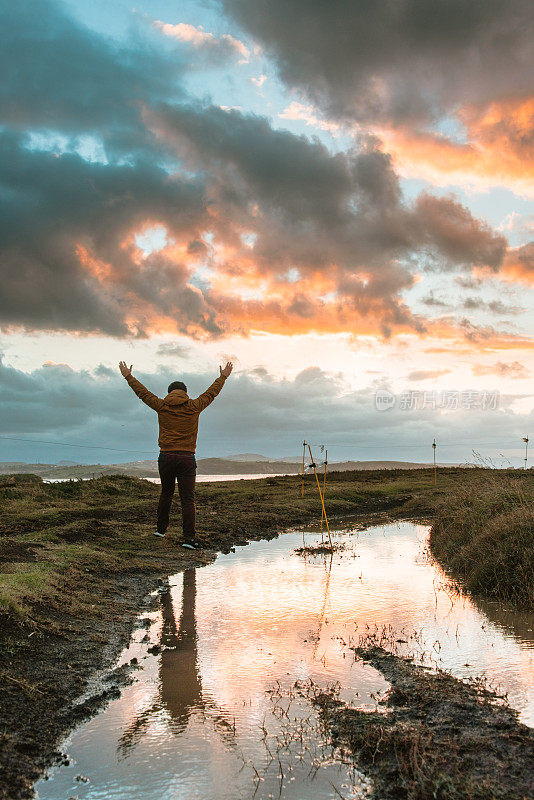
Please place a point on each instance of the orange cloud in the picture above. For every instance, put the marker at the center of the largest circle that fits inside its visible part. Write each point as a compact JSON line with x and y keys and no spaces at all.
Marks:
{"x":95,"y":267}
{"x":238,"y":297}
{"x":498,"y":149}
{"x":518,"y":265}
{"x":468,"y":338}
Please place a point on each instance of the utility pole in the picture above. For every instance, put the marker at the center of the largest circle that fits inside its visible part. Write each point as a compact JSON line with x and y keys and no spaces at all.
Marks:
{"x":525,"y":439}
{"x":435,"y":474}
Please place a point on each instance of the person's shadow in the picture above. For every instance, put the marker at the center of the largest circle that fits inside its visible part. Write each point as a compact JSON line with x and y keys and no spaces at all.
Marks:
{"x":180,"y":686}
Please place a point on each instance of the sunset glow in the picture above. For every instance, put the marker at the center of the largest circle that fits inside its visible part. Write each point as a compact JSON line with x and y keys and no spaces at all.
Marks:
{"x":197,"y":184}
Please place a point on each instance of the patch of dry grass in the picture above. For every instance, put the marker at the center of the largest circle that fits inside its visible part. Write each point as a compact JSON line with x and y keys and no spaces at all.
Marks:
{"x":484,"y":536}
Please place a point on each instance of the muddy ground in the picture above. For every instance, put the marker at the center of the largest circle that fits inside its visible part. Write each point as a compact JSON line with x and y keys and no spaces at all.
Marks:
{"x":78,"y":561}
{"x":434,"y":736}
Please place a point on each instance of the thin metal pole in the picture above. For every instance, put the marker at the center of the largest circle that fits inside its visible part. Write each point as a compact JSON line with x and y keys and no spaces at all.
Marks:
{"x":303,"y":467}
{"x":324,"y":489}
{"x":321,"y":496}
{"x":435,"y":474}
{"x":526,"y":450}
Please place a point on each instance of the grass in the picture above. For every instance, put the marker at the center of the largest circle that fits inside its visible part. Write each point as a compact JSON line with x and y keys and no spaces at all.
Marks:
{"x":22,"y":586}
{"x":484,"y":535}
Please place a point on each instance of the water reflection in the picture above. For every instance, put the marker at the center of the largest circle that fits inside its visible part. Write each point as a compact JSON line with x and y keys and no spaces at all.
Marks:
{"x":180,"y":685}
{"x":509,"y":620}
{"x":201,"y":720}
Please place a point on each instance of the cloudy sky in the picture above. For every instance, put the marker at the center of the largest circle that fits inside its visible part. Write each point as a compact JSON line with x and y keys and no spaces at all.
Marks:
{"x":337,"y":196}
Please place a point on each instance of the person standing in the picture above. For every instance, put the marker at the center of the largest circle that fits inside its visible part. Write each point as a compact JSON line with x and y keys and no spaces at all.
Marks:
{"x":178,"y":428}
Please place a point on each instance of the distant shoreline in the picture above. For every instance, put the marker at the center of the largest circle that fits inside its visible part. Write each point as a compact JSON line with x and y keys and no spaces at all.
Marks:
{"x":207,"y":468}
{"x":248,"y":476}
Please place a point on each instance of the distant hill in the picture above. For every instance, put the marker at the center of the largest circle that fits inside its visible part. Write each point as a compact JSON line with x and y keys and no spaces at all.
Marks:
{"x":247,"y":457}
{"x":206,"y":466}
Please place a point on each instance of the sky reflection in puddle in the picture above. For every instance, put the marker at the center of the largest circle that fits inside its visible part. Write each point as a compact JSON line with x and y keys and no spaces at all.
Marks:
{"x":210,"y":716}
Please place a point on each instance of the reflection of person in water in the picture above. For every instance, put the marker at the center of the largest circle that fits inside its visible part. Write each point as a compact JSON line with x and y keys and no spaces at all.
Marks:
{"x":181,"y":689}
{"x":180,"y":692}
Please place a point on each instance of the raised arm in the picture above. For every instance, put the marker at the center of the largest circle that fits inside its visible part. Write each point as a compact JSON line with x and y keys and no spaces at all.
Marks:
{"x":207,"y":397}
{"x":152,"y":400}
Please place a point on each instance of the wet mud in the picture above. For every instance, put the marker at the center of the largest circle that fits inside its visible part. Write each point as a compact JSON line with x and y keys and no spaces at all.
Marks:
{"x":433,"y":736}
{"x":55,"y":678}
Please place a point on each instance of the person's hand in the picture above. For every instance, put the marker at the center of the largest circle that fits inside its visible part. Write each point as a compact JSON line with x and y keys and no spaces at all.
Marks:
{"x":227,"y":370}
{"x":125,"y":371}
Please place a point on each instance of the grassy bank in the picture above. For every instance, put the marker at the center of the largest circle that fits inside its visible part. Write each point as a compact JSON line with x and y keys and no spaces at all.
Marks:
{"x":484,"y":537}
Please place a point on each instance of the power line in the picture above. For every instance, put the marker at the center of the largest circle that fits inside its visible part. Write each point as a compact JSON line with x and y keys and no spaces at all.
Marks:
{"x":354,"y":445}
{"x":358,"y":446}
{"x":70,"y":444}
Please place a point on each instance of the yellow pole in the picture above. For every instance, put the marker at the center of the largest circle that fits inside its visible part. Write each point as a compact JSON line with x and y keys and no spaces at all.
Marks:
{"x":303,"y":467}
{"x":322,"y":501}
{"x":324,"y":488}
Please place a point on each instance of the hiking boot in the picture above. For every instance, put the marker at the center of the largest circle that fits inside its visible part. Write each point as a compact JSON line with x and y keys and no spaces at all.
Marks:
{"x":157,"y":533}
{"x":192,"y":544}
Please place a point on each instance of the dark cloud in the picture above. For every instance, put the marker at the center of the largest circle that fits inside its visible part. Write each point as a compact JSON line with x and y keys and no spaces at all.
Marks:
{"x":352,"y":200}
{"x":59,"y":75}
{"x":476,"y":333}
{"x":451,"y":228}
{"x":65,"y":222}
{"x":341,"y":213}
{"x":468,"y":281}
{"x":494,"y":306}
{"x":408,"y":61}
{"x":431,"y":300}
{"x":64,"y":265}
{"x":68,"y":260}
{"x":254,"y":413}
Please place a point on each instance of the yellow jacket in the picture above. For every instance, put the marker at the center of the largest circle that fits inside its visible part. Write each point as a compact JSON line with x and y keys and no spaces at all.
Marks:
{"x":177,"y":413}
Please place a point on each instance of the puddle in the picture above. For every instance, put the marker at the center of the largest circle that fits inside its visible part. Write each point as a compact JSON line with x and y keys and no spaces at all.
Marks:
{"x":214,"y":713}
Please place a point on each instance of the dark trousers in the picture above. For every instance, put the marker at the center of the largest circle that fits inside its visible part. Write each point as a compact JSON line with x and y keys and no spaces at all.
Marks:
{"x":182,"y":467}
